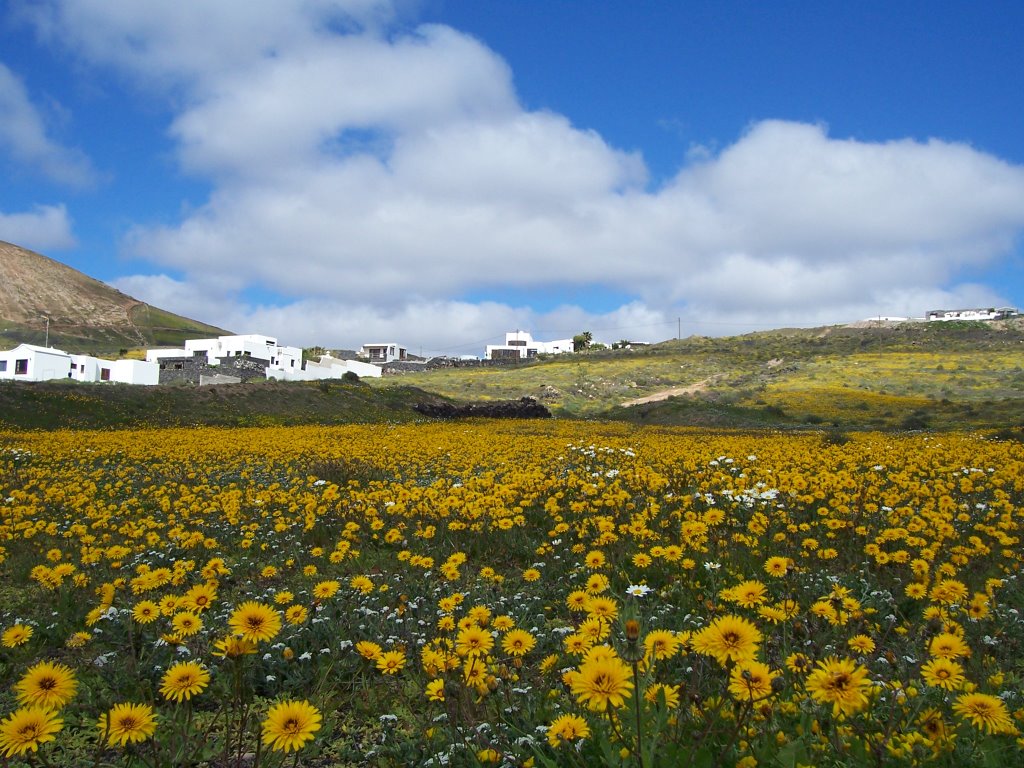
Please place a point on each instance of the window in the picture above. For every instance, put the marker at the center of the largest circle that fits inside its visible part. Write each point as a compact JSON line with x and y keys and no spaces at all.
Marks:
{"x":21,"y":367}
{"x":74,"y":366}
{"x":3,"y":366}
{"x":104,"y":374}
{"x":517,"y":343}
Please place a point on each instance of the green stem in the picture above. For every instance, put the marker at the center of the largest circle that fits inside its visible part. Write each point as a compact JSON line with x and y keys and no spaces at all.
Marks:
{"x":636,"y":709}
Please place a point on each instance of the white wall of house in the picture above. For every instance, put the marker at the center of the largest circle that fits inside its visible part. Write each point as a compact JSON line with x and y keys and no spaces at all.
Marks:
{"x":328,"y":368}
{"x":85,"y":368}
{"x":987,"y":313}
{"x":27,"y":362}
{"x":386,"y":352}
{"x":156,"y":355}
{"x":286,"y":359}
{"x":134,"y":372}
{"x":521,"y":343}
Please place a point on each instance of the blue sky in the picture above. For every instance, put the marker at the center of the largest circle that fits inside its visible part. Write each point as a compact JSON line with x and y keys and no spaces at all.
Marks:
{"x":437,"y":172}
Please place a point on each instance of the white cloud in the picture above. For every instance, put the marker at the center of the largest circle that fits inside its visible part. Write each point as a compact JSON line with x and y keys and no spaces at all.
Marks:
{"x":45,"y":228}
{"x":427,"y":327}
{"x":371,"y":176}
{"x":23,"y":136}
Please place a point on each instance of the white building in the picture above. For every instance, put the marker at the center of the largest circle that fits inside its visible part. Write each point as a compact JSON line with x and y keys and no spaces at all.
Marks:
{"x":252,"y":345}
{"x":27,"y":362}
{"x":521,"y":344}
{"x":388,"y":352}
{"x":327,"y":368}
{"x":989,"y":313}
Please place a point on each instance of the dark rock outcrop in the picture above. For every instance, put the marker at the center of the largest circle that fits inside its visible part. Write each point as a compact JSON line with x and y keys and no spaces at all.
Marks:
{"x":523,"y":408}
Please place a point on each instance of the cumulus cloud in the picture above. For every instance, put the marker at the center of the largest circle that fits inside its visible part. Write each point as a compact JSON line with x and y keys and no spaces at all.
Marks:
{"x":392,"y":170}
{"x":427,"y":327}
{"x":45,"y":228}
{"x":23,"y":136}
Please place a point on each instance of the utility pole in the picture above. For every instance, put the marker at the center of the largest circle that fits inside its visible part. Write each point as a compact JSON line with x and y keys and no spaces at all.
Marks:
{"x":47,"y":331}
{"x":679,"y":328}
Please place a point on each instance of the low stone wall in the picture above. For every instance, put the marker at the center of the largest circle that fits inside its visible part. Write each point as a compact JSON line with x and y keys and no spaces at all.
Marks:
{"x":436,"y":363}
{"x":191,"y":370}
{"x":523,"y":408}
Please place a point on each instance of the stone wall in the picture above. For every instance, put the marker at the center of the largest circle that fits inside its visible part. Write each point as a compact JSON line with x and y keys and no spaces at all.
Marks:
{"x":435,"y":363}
{"x":191,"y":370}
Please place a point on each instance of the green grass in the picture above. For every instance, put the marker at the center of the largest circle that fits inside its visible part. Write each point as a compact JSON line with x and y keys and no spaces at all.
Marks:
{"x":70,"y":405}
{"x":941,"y":375}
{"x":938,"y":376}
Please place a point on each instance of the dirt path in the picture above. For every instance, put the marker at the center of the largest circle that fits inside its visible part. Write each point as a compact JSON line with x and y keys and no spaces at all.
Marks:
{"x":665,"y":394}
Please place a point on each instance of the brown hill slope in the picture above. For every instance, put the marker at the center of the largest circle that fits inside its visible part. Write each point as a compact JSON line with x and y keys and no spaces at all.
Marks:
{"x":84,"y":313}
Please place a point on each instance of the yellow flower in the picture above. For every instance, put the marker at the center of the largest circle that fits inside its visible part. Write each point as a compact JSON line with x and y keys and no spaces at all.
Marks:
{"x":948,"y":646}
{"x":577,"y":601}
{"x":183,"y":680}
{"x":391,"y":662}
{"x":361,"y":584}
{"x":566,"y":729}
{"x":671,"y":693}
{"x":602,"y":607}
{"x":368,"y":649}
{"x":435,"y":690}
{"x":199,"y":598}
{"x":290,"y":724}
{"x":518,"y":642}
{"x":841,"y":683}
{"x":943,"y":673}
{"x":296,"y":614}
{"x":255,"y":622}
{"x":503,"y":623}
{"x":728,"y":638}
{"x":127,"y":724}
{"x":232,"y":646}
{"x":16,"y":635}
{"x":26,"y":729}
{"x":47,"y":685}
{"x":602,"y":681}
{"x":325,"y":590}
{"x":473,"y":641}
{"x":984,"y":712}
{"x":751,"y":681}
{"x":186,"y":623}
{"x":146,"y":611}
{"x":776,"y":566}
{"x":861,"y":644}
{"x":749,"y":594}
{"x":661,"y":644}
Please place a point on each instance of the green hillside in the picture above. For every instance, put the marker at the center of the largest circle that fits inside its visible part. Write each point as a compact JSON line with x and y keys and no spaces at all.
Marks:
{"x":941,"y":375}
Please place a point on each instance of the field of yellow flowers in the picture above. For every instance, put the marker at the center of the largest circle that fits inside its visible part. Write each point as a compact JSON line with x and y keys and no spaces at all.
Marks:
{"x":494,"y":593}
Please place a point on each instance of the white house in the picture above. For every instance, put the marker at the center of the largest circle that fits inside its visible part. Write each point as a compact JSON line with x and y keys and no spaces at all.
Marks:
{"x":252,"y":345}
{"x":327,"y":368}
{"x":522,"y":345}
{"x":388,"y":352}
{"x":989,"y":313}
{"x":27,"y":362}
{"x":132,"y":372}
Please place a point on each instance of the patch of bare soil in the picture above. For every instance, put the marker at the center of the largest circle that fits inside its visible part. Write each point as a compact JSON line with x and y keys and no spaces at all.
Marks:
{"x":665,"y":394}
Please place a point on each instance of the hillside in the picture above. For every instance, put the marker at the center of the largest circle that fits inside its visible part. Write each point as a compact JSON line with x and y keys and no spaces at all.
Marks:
{"x":85,"y":315}
{"x":70,"y":405}
{"x":912,"y":375}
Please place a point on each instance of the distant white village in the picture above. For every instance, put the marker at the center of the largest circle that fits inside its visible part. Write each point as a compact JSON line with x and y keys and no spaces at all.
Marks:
{"x":233,"y":359}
